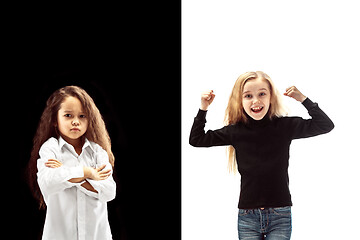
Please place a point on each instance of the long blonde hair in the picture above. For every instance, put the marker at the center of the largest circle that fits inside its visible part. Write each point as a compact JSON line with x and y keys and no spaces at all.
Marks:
{"x":96,"y":131}
{"x":235,"y":112}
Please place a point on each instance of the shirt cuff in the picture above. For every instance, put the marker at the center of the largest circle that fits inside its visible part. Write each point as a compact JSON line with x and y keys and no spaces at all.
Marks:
{"x":76,"y":172}
{"x":308,"y":104}
{"x":87,"y":192}
{"x":201,"y":115}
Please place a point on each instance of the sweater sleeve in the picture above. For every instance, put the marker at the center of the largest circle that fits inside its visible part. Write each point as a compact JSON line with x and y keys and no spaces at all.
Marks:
{"x":319,"y":123}
{"x":198,"y":137}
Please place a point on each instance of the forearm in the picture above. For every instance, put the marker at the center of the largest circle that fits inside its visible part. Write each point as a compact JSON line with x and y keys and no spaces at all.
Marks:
{"x":320,"y":120}
{"x":76,"y":180}
{"x":53,"y":180}
{"x":198,"y":137}
{"x":88,"y":186}
{"x":81,"y":179}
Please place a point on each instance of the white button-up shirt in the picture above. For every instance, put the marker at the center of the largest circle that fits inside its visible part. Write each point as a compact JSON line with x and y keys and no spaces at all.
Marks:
{"x":73,"y":212}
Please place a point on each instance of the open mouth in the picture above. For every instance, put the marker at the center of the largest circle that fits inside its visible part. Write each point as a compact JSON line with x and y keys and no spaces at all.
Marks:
{"x":257,"y":109}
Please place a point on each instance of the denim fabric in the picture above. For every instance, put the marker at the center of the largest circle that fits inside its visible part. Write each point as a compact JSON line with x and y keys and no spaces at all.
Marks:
{"x":268,"y":223}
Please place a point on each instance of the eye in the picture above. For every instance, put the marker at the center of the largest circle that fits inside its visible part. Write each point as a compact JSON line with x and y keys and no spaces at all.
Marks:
{"x":67,"y":115}
{"x":82,"y":116}
{"x":262,"y":94}
{"x":248,"y":96}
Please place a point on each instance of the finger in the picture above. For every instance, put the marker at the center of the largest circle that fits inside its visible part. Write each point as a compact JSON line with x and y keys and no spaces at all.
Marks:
{"x":107,"y":172}
{"x":208,"y":92}
{"x":210,"y":96}
{"x":288,"y":90}
{"x":49,"y":163}
{"x":205,"y":95}
{"x":101,"y":167}
{"x":54,"y":161}
{"x":105,"y":176}
{"x":289,"y":93}
{"x":52,"y":165}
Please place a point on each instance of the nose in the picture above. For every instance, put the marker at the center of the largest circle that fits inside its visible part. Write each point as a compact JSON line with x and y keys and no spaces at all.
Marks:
{"x":75,"y":122}
{"x":256,"y":101}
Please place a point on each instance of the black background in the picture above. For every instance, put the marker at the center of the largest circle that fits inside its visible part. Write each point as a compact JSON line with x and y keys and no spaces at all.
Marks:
{"x":130,"y":65}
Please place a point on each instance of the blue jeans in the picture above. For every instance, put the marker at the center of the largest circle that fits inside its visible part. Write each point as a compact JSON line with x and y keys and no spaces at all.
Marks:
{"x":269,"y":224}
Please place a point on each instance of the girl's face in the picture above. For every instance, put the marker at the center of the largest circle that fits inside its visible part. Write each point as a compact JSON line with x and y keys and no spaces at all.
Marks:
{"x":256,"y":98}
{"x":71,"y":120}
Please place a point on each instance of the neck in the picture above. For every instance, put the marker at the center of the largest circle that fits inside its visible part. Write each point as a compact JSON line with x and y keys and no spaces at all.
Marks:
{"x":76,"y":143}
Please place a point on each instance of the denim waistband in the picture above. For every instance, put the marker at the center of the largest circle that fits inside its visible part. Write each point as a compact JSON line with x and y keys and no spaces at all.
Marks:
{"x":265,"y":210}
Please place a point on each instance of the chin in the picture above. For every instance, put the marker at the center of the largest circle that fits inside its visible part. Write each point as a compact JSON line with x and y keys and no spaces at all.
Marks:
{"x":257,"y":115}
{"x":257,"y":118}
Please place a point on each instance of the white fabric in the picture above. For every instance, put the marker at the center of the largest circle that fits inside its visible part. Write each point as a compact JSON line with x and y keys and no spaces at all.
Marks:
{"x":73,"y":212}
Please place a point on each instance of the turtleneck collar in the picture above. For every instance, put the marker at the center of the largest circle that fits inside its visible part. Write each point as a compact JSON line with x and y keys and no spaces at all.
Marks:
{"x":258,"y":123}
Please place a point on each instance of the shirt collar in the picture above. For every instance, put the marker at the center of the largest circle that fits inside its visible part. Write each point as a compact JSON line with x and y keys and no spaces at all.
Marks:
{"x":87,"y":143}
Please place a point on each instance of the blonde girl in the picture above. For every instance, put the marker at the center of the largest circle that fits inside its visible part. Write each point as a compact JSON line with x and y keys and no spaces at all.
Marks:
{"x":258,"y":136}
{"x":71,"y":167}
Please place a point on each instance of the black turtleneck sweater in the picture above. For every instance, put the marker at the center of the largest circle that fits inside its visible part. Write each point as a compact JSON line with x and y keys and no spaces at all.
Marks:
{"x":262,"y":152}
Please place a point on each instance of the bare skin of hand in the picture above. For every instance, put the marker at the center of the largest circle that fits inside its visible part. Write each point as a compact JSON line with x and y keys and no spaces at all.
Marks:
{"x":294,"y":93}
{"x":97,"y":173}
{"x":206,"y":99}
{"x":53,"y":163}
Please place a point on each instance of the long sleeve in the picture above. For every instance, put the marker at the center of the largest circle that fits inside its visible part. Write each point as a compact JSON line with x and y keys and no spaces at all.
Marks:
{"x":106,"y":188}
{"x":54,"y":180}
{"x":319,"y":123}
{"x":198,"y":137}
{"x":73,"y":212}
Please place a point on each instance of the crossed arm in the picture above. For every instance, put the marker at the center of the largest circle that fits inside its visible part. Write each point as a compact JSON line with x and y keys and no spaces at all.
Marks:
{"x":89,"y":173}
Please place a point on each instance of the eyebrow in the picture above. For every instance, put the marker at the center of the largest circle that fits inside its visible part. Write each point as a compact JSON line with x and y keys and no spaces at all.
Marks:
{"x":258,"y":90}
{"x":69,"y":111}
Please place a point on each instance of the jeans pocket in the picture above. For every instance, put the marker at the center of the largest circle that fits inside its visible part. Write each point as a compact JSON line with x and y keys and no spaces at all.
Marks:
{"x":243,"y":212}
{"x":282,"y":211}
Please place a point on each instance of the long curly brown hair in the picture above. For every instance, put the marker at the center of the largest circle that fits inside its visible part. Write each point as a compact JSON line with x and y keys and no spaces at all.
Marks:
{"x":96,"y":131}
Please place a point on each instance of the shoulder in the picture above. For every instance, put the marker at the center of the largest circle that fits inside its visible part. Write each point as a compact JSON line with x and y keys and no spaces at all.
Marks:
{"x":50,"y":146}
{"x":99,"y":153}
{"x":96,"y":147}
{"x":288,"y":122}
{"x":231,"y":128}
{"x":50,"y":143}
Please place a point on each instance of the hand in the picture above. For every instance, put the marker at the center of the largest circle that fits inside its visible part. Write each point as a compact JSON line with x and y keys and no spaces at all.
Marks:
{"x":293,"y":92}
{"x":53,"y":163}
{"x":206,"y":99}
{"x":97,"y":173}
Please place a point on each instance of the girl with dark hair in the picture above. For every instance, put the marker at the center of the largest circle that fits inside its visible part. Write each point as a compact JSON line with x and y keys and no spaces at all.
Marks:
{"x":71,"y":167}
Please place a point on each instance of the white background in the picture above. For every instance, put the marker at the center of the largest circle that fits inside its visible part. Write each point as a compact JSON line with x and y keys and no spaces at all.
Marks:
{"x":314,"y":45}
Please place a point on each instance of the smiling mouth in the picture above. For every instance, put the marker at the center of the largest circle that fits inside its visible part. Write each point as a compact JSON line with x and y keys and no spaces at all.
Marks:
{"x":257,"y":109}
